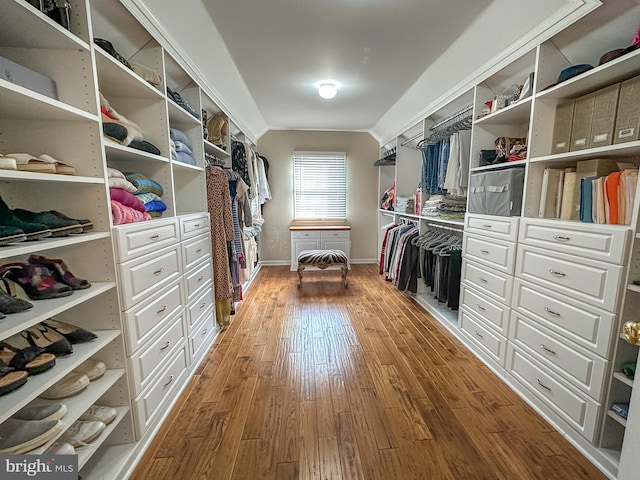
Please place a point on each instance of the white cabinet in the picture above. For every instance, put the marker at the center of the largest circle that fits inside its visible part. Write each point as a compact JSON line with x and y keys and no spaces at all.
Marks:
{"x":318,"y":238}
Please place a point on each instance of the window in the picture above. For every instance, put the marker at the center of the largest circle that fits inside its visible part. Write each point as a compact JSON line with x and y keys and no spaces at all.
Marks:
{"x":320,"y":185}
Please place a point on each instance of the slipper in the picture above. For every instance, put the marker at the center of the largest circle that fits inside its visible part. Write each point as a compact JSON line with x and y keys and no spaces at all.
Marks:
{"x":61,"y":167}
{"x":28,"y":163}
{"x":8,"y":163}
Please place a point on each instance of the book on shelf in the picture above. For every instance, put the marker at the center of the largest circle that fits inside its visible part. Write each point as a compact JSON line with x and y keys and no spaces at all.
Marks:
{"x":551,"y":193}
{"x":597,"y":167}
{"x":568,"y":189}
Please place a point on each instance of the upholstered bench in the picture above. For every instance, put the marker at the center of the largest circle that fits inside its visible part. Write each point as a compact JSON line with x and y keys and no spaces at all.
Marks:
{"x":323,"y":259}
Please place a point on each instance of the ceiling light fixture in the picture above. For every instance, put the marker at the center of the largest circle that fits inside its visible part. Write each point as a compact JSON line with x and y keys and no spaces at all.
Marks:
{"x":327,"y":89}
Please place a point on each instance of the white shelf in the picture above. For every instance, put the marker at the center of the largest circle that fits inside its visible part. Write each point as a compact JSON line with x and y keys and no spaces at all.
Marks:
{"x":24,"y":26}
{"x":617,"y":418}
{"x":44,"y":309}
{"x":444,"y":221}
{"x":20,"y":103}
{"x":26,"y":248}
{"x":115,"y":151}
{"x":185,"y":167}
{"x":47,"y":177}
{"x":85,"y":453}
{"x":621,"y":377}
{"x":78,"y":404}
{"x":629,"y":149}
{"x":14,"y":401}
{"x":178,"y":115}
{"x":109,"y":462}
{"x":215,"y":150}
{"x":516,"y":113}
{"x":611,"y":72}
{"x":500,"y":166}
{"x":115,"y":79}
{"x":633,"y":288}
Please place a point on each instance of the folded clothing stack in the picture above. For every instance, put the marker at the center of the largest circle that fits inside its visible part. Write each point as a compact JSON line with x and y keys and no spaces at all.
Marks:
{"x":148,"y":192}
{"x":176,"y":97}
{"x":125,"y":206}
{"x":445,"y":206}
{"x":404,"y":204}
{"x":181,"y":149}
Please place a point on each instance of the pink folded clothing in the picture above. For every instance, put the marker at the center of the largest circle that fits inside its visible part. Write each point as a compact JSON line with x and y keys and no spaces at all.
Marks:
{"x":122,"y":214}
{"x":127,"y":199}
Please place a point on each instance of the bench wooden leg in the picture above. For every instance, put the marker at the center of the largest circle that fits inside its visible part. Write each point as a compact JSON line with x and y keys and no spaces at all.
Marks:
{"x":345,"y":270}
{"x":300,"y":269}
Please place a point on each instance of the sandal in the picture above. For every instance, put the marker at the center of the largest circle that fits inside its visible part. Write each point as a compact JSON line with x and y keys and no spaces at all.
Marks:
{"x":36,"y":281}
{"x":10,"y":378}
{"x":17,"y":353}
{"x":40,"y":335}
{"x":60,"y":271}
{"x":72,"y":333}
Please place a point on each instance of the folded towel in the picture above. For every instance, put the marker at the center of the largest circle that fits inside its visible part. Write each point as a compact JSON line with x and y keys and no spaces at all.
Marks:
{"x":144,"y":184}
{"x":149,"y":75}
{"x":117,"y":182}
{"x":113,"y":173}
{"x":127,"y":199}
{"x":122,"y":214}
{"x":147,"y":197}
{"x":172,"y":148}
{"x":184,"y":157}
{"x":155,"y":206}
{"x":179,"y":136}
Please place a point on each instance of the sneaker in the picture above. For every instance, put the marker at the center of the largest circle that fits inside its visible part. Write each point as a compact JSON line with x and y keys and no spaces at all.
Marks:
{"x":82,"y":432}
{"x":22,"y":436}
{"x":92,"y":369}
{"x":60,"y":448}
{"x":69,"y":385}
{"x":100,"y":413}
{"x":41,"y":412}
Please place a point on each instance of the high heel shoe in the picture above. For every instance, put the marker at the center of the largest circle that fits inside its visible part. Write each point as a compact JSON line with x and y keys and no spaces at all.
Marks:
{"x":40,"y":335}
{"x":60,"y":271}
{"x":71,"y":332}
{"x":37,"y":282}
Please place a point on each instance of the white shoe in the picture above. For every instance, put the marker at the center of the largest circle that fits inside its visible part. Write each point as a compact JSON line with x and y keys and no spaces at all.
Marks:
{"x":99,"y":413}
{"x":69,"y":385}
{"x":60,"y":448}
{"x":92,"y":369}
{"x":81,"y":433}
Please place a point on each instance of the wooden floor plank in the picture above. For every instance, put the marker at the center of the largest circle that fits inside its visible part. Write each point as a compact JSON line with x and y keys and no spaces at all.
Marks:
{"x":333,"y":383}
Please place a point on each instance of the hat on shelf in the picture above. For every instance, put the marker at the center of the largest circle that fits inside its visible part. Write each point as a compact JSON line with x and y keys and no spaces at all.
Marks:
{"x":573,"y":71}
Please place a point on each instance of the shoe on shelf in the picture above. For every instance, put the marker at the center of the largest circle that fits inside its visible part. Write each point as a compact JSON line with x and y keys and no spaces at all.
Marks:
{"x":41,"y":412}
{"x":81,"y":432}
{"x":60,"y":271}
{"x":58,"y":226}
{"x":22,"y":436}
{"x":85,"y":223}
{"x":92,"y":369}
{"x":99,"y":413}
{"x":37,"y":281}
{"x":18,"y":353}
{"x":67,"y":386}
{"x":73,"y":333}
{"x":44,"y":337}
{"x":8,"y":163}
{"x":11,"y":235}
{"x":61,"y":167}
{"x":10,"y":378}
{"x":33,"y":231}
{"x":9,"y":304}
{"x":60,"y":448}
{"x":28,"y":163}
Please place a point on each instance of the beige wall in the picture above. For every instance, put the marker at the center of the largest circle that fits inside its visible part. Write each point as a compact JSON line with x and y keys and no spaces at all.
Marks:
{"x":362,"y":184}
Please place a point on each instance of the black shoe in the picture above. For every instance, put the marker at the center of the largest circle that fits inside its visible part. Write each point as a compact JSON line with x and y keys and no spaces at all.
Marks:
{"x":11,"y":235}
{"x":58,"y":226}
{"x":33,"y":231}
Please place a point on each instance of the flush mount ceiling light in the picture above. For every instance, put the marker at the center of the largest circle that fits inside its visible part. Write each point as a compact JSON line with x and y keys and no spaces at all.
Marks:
{"x":327,"y":89}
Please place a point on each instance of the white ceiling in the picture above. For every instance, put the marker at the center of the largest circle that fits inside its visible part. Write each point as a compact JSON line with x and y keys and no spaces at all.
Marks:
{"x":396,"y":59}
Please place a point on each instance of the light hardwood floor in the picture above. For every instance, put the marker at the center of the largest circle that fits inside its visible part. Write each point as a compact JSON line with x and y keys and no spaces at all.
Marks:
{"x":324,"y":382}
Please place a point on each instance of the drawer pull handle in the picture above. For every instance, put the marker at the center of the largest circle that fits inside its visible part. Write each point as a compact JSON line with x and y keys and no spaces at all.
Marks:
{"x":543,"y":385}
{"x":480,"y":307}
{"x":200,"y":279}
{"x":163,"y":309}
{"x":206,"y":330}
{"x":158,"y":272}
{"x":478,"y":334}
{"x":196,"y":225}
{"x":547,"y":349}
{"x":486,"y":225}
{"x":155,"y":237}
{"x":203,"y":305}
{"x":170,"y":380}
{"x":198,"y":250}
{"x":561,"y":238}
{"x":482,"y":280}
{"x":551,"y":312}
{"x":557,"y":274}
{"x":166,"y":345}
{"x":486,"y":252}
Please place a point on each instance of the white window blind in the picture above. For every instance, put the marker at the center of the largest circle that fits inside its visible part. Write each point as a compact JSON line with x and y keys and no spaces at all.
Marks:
{"x":320,"y":185}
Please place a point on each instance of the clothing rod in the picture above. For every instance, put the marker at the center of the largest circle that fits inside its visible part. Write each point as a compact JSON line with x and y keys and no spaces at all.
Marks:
{"x":444,"y":227}
{"x":411,"y":139}
{"x":457,"y":114}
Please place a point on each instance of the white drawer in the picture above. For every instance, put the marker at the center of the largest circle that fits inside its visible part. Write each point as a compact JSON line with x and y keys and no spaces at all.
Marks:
{"x":493,"y":313}
{"x":138,"y":239}
{"x":590,"y":281}
{"x":494,"y":284}
{"x":172,"y":376}
{"x":199,"y":307}
{"x":505,"y":228}
{"x":194,"y":251}
{"x":194,"y":224}
{"x":492,"y":344}
{"x":574,"y":407}
{"x":585,"y":325}
{"x":142,"y":276}
{"x":599,"y":242}
{"x":309,"y":234}
{"x":147,"y":318}
{"x":331,"y":234}
{"x":199,"y":338}
{"x":155,"y":355}
{"x":580,"y":367}
{"x":491,"y":252}
{"x":196,"y":279}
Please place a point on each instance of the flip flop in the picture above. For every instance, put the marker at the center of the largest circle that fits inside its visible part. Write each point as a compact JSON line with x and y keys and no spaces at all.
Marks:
{"x":28,"y":163}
